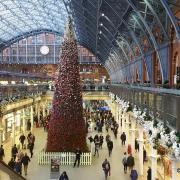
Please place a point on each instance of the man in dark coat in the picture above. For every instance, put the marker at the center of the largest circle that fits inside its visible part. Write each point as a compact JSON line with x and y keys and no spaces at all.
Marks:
{"x":25,"y":161}
{"x":22,"y":139}
{"x":14,"y":151}
{"x":136,"y":145}
{"x":130,"y":162}
{"x":31,"y":147}
{"x":149,"y":173}
{"x":106,"y":168}
{"x":110,"y":147}
{"x":123,"y":138}
{"x":1,"y":153}
{"x":144,"y":155}
{"x":78,"y":156}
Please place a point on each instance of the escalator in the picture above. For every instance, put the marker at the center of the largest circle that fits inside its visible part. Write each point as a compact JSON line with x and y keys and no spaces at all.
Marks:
{"x":11,"y":175}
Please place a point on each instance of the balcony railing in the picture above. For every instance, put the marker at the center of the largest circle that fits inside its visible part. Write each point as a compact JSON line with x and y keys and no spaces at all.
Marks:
{"x":14,"y":92}
{"x":152,"y":89}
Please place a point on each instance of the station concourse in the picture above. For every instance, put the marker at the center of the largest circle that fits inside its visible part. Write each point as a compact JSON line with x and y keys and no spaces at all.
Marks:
{"x":74,"y":71}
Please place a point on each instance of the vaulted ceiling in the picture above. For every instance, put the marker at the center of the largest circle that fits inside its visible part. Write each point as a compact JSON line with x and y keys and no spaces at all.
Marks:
{"x":114,"y":30}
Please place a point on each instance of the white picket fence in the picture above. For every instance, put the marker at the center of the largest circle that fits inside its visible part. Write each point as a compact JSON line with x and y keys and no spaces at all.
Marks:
{"x":66,"y":158}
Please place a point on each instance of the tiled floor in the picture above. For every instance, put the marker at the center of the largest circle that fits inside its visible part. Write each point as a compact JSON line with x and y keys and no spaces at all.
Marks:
{"x":94,"y":172}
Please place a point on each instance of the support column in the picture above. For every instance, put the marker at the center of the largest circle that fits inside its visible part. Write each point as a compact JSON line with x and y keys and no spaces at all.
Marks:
{"x":38,"y":113}
{"x":154,"y":106}
{"x":47,"y":108}
{"x":127,"y":130}
{"x":13,"y":128}
{"x":1,"y":130}
{"x":132,"y":131}
{"x":177,"y":113}
{"x":142,"y":101}
{"x":32,"y":119}
{"x":141,"y":142}
{"x":43,"y":111}
{"x":24,"y":121}
{"x":154,"y":157}
{"x":1,"y":135}
{"x":174,"y":169}
{"x":147,"y":103}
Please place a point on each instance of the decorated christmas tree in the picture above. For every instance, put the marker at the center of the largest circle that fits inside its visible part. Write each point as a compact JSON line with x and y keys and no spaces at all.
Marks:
{"x":67,"y":127}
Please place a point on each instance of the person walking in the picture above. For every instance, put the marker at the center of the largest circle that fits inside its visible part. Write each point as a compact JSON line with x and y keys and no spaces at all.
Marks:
{"x":96,"y":143}
{"x":134,"y":174}
{"x":11,"y":163}
{"x":107,"y":138}
{"x":123,"y":138}
{"x":28,"y":125}
{"x":22,"y":139}
{"x":129,"y":149}
{"x":14,"y":152}
{"x":101,"y":138}
{"x":18,"y":167}
{"x":144,"y":155}
{"x":64,"y":176}
{"x":136,"y":145}
{"x":130,"y":162}
{"x":31,"y":147}
{"x":106,"y":168}
{"x":78,"y":157}
{"x":124,"y":161}
{"x":149,"y":171}
{"x":110,"y":147}
{"x":25,"y":161}
{"x":107,"y":127}
{"x":2,"y":153}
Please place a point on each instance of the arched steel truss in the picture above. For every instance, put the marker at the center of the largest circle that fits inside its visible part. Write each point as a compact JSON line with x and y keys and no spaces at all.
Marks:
{"x":105,"y":27}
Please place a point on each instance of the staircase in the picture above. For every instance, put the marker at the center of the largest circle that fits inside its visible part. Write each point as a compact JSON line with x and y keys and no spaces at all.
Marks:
{"x":7,"y":173}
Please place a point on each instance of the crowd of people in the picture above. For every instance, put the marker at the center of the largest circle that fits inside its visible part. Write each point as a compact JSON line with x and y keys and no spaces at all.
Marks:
{"x":105,"y":124}
{"x":104,"y":119}
{"x":19,"y":157}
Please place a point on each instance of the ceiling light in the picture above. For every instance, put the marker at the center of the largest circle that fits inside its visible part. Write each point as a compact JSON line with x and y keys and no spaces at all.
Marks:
{"x":101,"y":24}
{"x":100,"y":32}
{"x":102,"y":14}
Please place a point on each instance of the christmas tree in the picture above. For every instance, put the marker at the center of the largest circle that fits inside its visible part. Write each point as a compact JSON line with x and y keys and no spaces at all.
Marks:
{"x":67,"y":127}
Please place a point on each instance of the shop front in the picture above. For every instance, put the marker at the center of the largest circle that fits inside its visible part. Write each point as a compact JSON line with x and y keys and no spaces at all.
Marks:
{"x":7,"y":125}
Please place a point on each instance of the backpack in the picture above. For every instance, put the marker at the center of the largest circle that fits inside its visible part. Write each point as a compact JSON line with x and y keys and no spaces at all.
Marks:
{"x":107,"y":166}
{"x":134,"y":173}
{"x":124,"y":161}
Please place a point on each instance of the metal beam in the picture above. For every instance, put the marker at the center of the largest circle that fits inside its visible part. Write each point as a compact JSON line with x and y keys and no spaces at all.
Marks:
{"x":171,"y":17}
{"x":157,"y":18}
{"x":149,"y":32}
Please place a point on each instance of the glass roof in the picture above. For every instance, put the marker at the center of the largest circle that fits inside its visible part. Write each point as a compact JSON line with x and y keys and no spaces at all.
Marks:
{"x":18,"y":17}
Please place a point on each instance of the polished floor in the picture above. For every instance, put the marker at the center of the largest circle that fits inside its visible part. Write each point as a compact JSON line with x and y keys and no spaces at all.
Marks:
{"x":94,"y":172}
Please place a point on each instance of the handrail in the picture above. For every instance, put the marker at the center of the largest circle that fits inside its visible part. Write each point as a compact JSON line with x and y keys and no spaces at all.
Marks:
{"x":150,"y":89}
{"x":12,"y":174}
